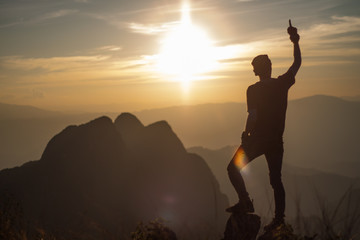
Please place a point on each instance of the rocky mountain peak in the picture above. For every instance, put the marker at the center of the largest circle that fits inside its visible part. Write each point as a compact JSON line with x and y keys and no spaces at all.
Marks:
{"x":79,"y":142}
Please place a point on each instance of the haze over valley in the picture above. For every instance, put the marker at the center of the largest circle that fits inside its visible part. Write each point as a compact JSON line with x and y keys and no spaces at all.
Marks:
{"x":196,"y":142}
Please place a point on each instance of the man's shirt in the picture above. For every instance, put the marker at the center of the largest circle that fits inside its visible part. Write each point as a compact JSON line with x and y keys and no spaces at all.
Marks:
{"x":269,"y":99}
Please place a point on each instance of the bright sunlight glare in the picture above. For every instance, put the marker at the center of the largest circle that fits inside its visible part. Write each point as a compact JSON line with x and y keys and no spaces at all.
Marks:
{"x":187,"y":51}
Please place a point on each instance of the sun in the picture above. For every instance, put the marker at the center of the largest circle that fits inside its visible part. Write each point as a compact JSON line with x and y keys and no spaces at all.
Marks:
{"x":186,"y":52}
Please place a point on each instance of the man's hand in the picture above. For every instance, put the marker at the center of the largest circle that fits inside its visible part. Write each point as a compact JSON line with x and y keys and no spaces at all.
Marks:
{"x":292,"y":31}
{"x":245,"y":138}
{"x":294,"y":37}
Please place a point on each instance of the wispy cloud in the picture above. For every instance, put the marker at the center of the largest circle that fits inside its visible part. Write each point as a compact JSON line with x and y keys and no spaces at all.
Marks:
{"x":56,"y":14}
{"x":333,"y":43}
{"x":340,"y":38}
{"x":344,"y":24}
{"x":151,"y":29}
{"x":40,"y":19}
{"x":52,"y":64}
{"x":74,"y":70}
{"x":110,"y":48}
{"x":317,"y":41}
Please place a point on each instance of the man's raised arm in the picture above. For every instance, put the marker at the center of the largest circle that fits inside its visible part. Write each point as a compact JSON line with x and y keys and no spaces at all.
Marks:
{"x":294,"y":37}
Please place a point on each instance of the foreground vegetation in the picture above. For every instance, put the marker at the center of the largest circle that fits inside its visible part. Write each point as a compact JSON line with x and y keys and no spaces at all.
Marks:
{"x":341,"y":222}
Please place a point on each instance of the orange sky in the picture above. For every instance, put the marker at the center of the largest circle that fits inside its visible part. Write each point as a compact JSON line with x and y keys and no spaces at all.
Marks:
{"x":106,"y":55}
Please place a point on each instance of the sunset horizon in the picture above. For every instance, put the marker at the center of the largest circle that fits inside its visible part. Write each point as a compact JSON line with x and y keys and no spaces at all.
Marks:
{"x":73,"y":55}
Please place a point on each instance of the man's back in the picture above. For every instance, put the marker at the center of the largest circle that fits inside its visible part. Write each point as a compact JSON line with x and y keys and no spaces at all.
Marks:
{"x":269,"y":98}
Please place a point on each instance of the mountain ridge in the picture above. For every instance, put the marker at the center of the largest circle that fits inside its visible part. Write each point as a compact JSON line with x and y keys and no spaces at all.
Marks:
{"x":89,"y":175}
{"x":5,"y":106}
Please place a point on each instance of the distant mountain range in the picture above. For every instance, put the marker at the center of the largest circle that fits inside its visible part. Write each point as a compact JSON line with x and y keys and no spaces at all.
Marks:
{"x":322,"y":132}
{"x":98,"y":180}
{"x":10,"y":111}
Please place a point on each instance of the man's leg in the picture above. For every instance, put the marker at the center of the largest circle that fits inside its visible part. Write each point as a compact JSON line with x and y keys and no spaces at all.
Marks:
{"x":236,"y":164}
{"x":239,"y":161}
{"x":274,"y":158}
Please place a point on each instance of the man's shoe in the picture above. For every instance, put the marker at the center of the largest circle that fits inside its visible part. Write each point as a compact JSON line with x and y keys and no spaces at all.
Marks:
{"x":276,"y":222}
{"x":242,"y":207}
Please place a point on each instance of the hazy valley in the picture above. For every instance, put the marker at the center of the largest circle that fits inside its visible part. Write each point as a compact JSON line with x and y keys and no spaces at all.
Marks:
{"x":321,"y":131}
{"x":100,"y":162}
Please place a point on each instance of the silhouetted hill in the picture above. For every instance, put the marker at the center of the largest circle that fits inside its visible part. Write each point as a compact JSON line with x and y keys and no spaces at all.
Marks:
{"x":99,"y":179}
{"x":159,"y":134}
{"x":128,"y":126}
{"x":355,"y":98}
{"x":25,"y":131}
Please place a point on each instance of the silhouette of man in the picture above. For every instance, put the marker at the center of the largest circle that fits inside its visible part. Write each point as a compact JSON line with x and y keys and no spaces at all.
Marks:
{"x":266,"y":105}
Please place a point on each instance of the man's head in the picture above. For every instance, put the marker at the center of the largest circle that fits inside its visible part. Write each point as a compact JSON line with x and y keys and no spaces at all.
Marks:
{"x":262,"y":66}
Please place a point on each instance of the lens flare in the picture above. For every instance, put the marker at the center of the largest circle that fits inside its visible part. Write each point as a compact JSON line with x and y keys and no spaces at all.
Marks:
{"x":240,"y":159}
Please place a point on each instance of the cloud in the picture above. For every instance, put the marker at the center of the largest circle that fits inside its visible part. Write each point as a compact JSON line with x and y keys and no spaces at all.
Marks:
{"x":338,"y":25}
{"x":334,"y":43}
{"x":110,"y":48}
{"x":151,"y":29}
{"x":338,"y":38}
{"x":52,"y":64}
{"x":39,"y":19}
{"x":56,"y":14}
{"x":74,"y":70}
{"x":156,"y":18}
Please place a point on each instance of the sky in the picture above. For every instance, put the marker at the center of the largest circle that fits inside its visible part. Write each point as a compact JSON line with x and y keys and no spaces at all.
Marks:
{"x":92,"y":55}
